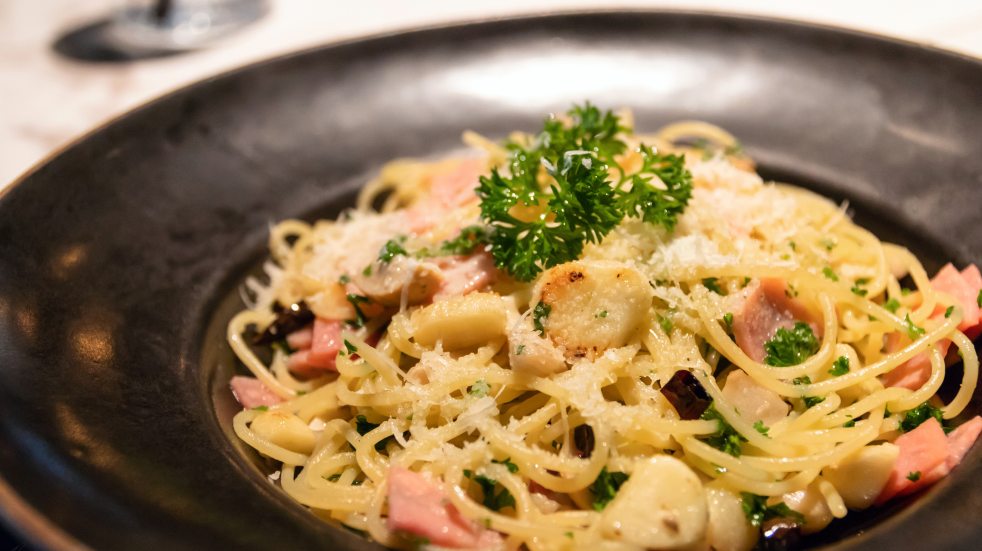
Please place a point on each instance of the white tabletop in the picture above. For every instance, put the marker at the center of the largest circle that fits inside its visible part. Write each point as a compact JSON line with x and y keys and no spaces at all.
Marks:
{"x":48,"y":100}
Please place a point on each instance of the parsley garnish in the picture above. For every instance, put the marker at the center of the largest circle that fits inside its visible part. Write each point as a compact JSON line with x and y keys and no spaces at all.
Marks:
{"x":758,"y":512}
{"x":948,"y":311}
{"x":581,"y":206}
{"x":857,"y":288}
{"x":726,"y":438}
{"x":469,"y":239}
{"x":605,"y":487}
{"x":601,"y":314}
{"x":759,"y":427}
{"x":978,"y":299}
{"x":850,"y":423}
{"x":666,"y":324}
{"x":791,"y":347}
{"x":914,"y":417}
{"x":808,"y":400}
{"x":840,"y":366}
{"x":480,"y":388}
{"x":363,"y":427}
{"x":360,"y":318}
{"x":914,"y":476}
{"x":892,"y":305}
{"x":494,"y":498}
{"x":713,"y":285}
{"x":261,"y":408}
{"x":391,"y":249}
{"x":912,"y":330}
{"x":512,"y":468}
{"x":812,"y":401}
{"x":344,"y":279}
{"x":350,"y":347}
{"x":827,"y":272}
{"x":539,"y":313}
{"x":728,"y":321}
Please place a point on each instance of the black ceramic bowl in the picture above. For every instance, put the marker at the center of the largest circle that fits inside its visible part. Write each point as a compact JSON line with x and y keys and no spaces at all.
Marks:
{"x":119,"y":257}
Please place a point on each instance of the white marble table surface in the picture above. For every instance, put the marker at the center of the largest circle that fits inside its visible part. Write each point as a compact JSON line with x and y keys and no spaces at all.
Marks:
{"x":48,"y":100}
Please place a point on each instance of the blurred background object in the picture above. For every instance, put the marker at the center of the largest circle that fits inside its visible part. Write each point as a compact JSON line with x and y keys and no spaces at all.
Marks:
{"x":51,"y":97}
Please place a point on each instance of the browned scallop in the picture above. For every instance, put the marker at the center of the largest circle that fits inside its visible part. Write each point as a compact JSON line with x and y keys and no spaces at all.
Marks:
{"x":386,"y":282}
{"x":593,"y":306}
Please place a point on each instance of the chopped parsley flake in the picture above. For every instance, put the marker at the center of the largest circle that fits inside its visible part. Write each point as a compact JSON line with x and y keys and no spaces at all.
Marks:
{"x":840,"y":366}
{"x":827,"y":272}
{"x":726,"y":438}
{"x":666,"y":324}
{"x":809,"y":401}
{"x":605,"y":487}
{"x":857,"y":288}
{"x":759,"y":427}
{"x":355,"y":301}
{"x":915,"y":417}
{"x":261,"y":408}
{"x":712,"y":284}
{"x":758,"y":512}
{"x":495,"y":498}
{"x":601,"y":314}
{"x":912,"y":330}
{"x":350,"y":347}
{"x":512,"y":468}
{"x":948,"y":311}
{"x":480,"y":388}
{"x":892,"y":305}
{"x":539,"y":313}
{"x":914,"y":476}
{"x":469,"y":239}
{"x":391,"y":249}
{"x":792,"y":347}
{"x":728,"y":321}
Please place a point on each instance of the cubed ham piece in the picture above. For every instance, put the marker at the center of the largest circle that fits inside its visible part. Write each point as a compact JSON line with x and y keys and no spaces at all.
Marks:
{"x":964,"y":286}
{"x":447,"y":192}
{"x":914,"y":372}
{"x":951,"y":281}
{"x":752,"y":401}
{"x":767,"y":309}
{"x":922,"y":450}
{"x":419,"y":507}
{"x":961,"y":440}
{"x":462,"y":275}
{"x":324,"y":346}
{"x":301,"y":339}
{"x":251,"y":392}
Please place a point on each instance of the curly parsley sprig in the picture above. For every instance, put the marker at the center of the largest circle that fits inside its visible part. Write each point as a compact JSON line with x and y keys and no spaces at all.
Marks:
{"x":558,"y":194}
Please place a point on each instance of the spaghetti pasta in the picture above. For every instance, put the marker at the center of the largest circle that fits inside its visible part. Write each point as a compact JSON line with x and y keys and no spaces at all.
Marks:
{"x":530,"y":407}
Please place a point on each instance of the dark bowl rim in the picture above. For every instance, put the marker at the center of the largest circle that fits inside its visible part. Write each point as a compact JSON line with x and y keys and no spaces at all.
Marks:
{"x":26,"y":521}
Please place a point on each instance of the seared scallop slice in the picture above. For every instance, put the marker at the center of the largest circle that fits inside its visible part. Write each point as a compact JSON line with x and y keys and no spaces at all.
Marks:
{"x":592,"y":306}
{"x":386,"y":282}
{"x":729,"y":529}
{"x":463,"y":321}
{"x":284,"y":429}
{"x":661,"y":506}
{"x":860,"y":478}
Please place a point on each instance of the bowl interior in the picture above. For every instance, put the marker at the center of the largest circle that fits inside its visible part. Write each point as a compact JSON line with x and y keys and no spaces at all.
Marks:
{"x":121,"y":256}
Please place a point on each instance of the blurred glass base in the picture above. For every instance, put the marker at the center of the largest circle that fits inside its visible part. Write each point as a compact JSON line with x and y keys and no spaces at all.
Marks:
{"x":141,"y":29}
{"x":177,"y":25}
